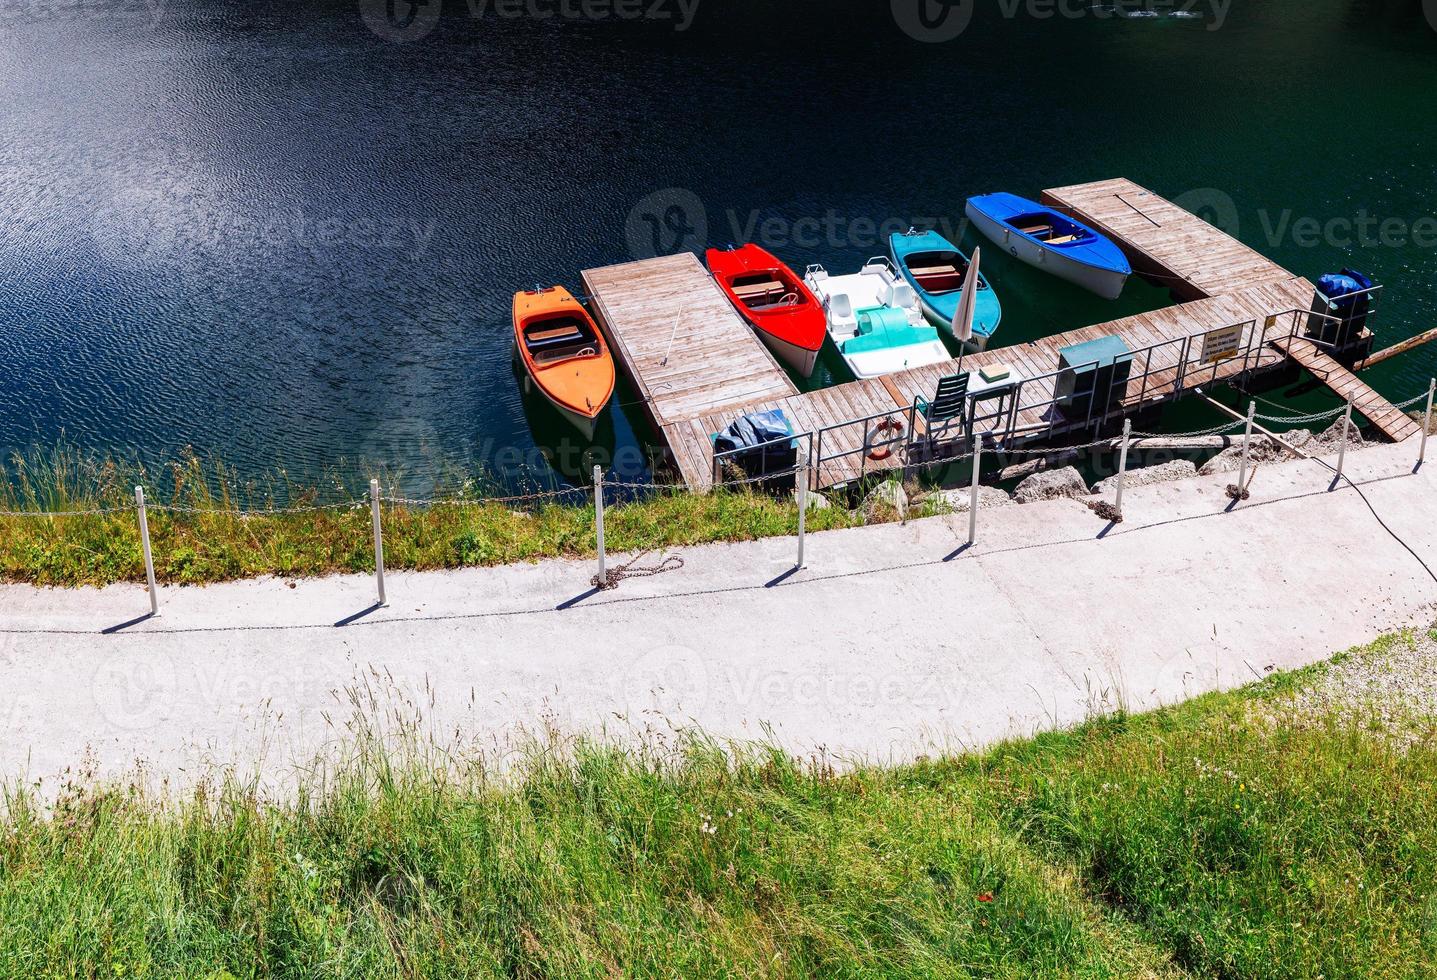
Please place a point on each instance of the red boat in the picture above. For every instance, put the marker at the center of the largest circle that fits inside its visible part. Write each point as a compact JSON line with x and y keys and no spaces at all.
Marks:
{"x":787,"y":316}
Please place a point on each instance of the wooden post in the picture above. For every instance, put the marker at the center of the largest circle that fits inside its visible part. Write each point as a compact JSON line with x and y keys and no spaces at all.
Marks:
{"x":603,"y":576}
{"x":1246,"y":446}
{"x":1342,"y":447}
{"x":1123,"y":463}
{"x":378,"y":541}
{"x":1426,"y":423}
{"x":973,"y":493}
{"x":145,"y":547}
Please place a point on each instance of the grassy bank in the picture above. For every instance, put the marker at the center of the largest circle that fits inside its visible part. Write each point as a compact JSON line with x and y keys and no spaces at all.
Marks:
{"x":210,"y":539}
{"x":1231,"y":837}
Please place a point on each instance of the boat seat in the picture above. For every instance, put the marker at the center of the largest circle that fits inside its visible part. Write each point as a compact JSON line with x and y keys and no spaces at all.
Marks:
{"x":901,"y":296}
{"x":840,"y":307}
{"x":566,"y":332}
{"x":1063,"y":240}
{"x":753,"y":291}
{"x":1037,"y":231}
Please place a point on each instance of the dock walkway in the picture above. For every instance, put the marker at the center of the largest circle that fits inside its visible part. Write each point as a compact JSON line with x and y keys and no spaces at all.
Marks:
{"x":698,"y":377}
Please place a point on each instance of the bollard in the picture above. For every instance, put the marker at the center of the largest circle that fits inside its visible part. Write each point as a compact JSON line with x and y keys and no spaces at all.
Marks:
{"x":1123,"y":464}
{"x":145,"y":547}
{"x":973,"y":494}
{"x":1342,"y":447}
{"x":1426,"y":423}
{"x":602,"y":577}
{"x":1246,"y":447}
{"x":800,"y":479}
{"x":378,"y":541}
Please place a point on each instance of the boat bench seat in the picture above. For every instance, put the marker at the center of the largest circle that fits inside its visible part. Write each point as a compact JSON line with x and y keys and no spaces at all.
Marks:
{"x":553,"y":334}
{"x":759,"y":292}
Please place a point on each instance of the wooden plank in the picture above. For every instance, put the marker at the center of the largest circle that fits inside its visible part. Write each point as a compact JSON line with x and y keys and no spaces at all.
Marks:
{"x":1388,"y":418}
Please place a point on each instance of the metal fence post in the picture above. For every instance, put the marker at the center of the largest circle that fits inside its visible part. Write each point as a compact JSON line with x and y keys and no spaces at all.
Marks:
{"x":145,"y":547}
{"x":378,"y":541}
{"x":1342,"y":447}
{"x":800,"y":479}
{"x":1246,"y":445}
{"x":973,"y":493}
{"x":1426,"y":423}
{"x":1123,"y":464}
{"x":599,"y":521}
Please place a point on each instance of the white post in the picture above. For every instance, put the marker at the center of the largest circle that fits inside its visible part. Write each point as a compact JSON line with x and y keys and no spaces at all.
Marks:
{"x":378,"y":541}
{"x":1426,"y":423}
{"x":973,"y":493}
{"x":145,"y":547}
{"x":1342,"y":447}
{"x":599,"y":521}
{"x":1246,"y":445}
{"x":1123,"y":464}
{"x":800,"y":478}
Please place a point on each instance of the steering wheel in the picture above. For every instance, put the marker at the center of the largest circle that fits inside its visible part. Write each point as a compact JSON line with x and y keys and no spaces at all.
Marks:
{"x":587,"y":352}
{"x":789,"y":299}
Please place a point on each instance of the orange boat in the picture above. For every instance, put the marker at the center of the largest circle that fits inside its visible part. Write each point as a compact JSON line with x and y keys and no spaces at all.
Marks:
{"x":564,"y":354}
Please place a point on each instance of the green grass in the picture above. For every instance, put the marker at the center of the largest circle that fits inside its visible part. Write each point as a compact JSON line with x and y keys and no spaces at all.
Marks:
{"x":1222,"y":838}
{"x":213,"y":541}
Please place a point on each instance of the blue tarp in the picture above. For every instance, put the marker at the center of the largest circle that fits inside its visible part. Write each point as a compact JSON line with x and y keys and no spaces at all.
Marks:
{"x":751,"y":432}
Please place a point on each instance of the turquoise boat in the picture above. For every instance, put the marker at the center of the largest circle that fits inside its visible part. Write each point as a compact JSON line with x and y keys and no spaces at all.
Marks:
{"x":935,"y":268}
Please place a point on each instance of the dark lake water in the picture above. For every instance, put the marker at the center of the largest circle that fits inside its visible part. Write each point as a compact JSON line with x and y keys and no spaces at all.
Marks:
{"x":265,"y":231}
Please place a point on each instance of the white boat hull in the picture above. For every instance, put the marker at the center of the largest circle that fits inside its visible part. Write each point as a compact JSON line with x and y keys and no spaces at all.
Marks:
{"x":798,"y":358}
{"x":1107,"y":283}
{"x":876,"y":364}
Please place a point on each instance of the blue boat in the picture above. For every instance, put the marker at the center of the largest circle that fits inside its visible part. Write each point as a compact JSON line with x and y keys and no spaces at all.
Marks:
{"x":935,"y":268}
{"x":1054,"y":242}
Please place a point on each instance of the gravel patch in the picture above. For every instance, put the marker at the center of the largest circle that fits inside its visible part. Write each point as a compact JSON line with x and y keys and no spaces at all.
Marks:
{"x":1390,"y":691}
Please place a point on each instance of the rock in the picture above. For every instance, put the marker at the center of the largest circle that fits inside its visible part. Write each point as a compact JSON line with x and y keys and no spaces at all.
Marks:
{"x":956,"y":501}
{"x":1330,"y":440}
{"x":890,"y":494}
{"x":813,"y":500}
{"x":1264,"y":450}
{"x":1177,"y":469}
{"x":1050,"y":485}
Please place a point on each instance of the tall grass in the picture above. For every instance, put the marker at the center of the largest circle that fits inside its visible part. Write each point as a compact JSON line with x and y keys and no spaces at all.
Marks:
{"x":212,"y":538}
{"x":1223,"y":838}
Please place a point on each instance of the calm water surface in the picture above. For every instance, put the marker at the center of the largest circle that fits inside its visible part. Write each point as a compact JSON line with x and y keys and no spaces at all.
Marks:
{"x":264,"y":231}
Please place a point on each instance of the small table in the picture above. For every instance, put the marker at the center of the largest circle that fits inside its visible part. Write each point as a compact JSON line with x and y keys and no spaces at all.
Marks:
{"x":980,"y":390}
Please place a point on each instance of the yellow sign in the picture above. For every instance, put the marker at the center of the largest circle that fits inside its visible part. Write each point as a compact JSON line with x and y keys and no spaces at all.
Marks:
{"x":1222,"y":343}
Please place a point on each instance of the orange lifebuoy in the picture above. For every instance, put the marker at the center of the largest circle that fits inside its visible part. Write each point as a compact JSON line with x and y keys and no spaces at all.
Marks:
{"x":889,"y":424}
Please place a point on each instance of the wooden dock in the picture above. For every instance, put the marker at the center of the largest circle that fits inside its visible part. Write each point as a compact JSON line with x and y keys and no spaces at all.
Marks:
{"x":1166,"y":244}
{"x":698,"y":367}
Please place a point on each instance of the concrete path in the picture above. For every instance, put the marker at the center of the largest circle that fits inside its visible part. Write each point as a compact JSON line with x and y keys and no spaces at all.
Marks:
{"x":894,"y":642}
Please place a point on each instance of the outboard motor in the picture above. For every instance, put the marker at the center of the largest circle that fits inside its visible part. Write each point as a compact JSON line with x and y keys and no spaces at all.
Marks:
{"x":1345,"y":295}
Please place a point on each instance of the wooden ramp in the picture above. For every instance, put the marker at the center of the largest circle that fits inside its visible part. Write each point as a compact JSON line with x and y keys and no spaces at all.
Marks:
{"x":1390,"y":420}
{"x":1165,"y":243}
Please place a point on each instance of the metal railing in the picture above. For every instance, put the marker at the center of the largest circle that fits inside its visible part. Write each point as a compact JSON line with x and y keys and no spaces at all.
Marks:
{"x":1169,"y":369}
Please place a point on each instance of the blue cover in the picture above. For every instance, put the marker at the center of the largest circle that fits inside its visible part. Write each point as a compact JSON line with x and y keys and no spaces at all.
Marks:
{"x":987,"y":311}
{"x":755,"y":429}
{"x":1094,"y":249}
